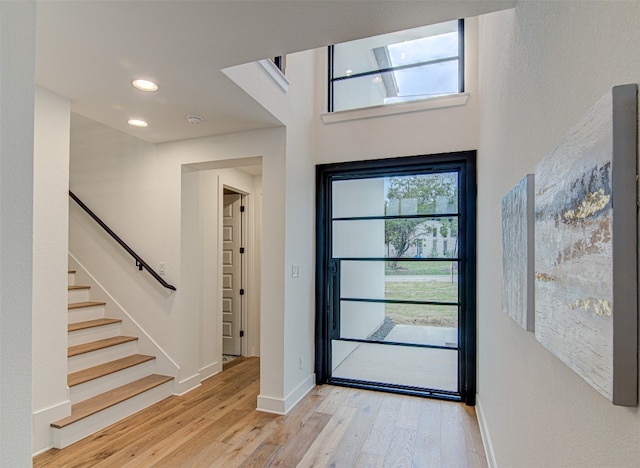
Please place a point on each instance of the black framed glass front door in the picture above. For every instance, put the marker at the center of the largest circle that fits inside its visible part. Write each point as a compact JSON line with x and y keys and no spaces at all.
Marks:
{"x":395,"y":279}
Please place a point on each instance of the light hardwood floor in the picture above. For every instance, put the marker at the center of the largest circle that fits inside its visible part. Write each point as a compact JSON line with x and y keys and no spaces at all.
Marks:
{"x":217,"y":425}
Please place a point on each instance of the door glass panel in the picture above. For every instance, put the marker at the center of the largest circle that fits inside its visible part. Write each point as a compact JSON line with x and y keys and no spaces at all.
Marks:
{"x":361,"y":320}
{"x":424,"y":324}
{"x":359,"y":239}
{"x":362,"y":279}
{"x":428,"y":193}
{"x":396,"y":365}
{"x":396,"y":238}
{"x":431,"y":316}
{"x":421,"y":238}
{"x":413,"y":281}
{"x":421,"y":194}
{"x":359,"y":197}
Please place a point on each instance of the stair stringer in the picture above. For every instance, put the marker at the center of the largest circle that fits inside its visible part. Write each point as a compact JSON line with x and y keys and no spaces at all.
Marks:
{"x":164,"y":364}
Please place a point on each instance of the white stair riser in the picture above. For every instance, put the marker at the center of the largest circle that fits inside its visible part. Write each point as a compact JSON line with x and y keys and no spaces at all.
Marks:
{"x":101,"y":356}
{"x":109,"y":382}
{"x":77,"y":295}
{"x":88,"y":335}
{"x":82,"y":314}
{"x":87,"y":426}
{"x":71,"y":279}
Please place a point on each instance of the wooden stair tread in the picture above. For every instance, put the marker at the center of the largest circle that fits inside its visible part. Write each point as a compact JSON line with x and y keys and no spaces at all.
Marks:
{"x":106,"y":400}
{"x":77,"y":286}
{"x":92,"y":373}
{"x":100,"y":344}
{"x":78,"y":305}
{"x":91,"y":324}
{"x":71,"y":271}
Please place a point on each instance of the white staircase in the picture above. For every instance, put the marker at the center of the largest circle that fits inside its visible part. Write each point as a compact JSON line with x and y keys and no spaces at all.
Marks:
{"x":107,"y":379}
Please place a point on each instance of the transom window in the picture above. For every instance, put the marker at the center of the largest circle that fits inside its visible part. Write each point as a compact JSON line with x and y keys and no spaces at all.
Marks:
{"x":397,"y":67}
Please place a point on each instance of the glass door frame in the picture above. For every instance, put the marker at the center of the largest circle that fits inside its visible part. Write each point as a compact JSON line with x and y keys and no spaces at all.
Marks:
{"x":464,"y":163}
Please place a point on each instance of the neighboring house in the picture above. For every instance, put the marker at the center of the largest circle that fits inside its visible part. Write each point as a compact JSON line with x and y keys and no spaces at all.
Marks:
{"x":532,"y":72}
{"x":430,"y":240}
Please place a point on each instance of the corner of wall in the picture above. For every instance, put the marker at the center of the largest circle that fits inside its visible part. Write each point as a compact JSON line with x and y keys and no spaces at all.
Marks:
{"x":284,"y":405}
{"x":484,"y":434}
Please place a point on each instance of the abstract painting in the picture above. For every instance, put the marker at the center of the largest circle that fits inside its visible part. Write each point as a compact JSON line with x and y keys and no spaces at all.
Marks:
{"x":517,"y":253}
{"x":585,"y":247}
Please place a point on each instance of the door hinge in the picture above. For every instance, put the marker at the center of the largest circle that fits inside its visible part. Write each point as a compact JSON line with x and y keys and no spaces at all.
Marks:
{"x":241,"y":333}
{"x":241,"y":250}
{"x":241,"y":209}
{"x":242,"y":292}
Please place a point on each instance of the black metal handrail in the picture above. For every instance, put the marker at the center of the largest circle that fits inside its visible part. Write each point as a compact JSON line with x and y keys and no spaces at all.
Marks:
{"x":140,"y":263}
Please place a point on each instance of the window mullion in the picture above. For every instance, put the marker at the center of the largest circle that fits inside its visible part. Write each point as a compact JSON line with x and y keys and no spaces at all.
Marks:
{"x":396,"y":68}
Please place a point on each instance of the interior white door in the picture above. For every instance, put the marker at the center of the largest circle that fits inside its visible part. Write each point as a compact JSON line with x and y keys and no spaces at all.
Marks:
{"x":231,"y":275}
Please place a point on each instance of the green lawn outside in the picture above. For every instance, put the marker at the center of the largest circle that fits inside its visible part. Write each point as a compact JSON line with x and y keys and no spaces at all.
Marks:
{"x":420,"y":268}
{"x":432,"y":315}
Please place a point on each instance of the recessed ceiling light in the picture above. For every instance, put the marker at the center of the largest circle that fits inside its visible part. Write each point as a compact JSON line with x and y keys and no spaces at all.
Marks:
{"x":137,"y":123}
{"x":145,"y":85}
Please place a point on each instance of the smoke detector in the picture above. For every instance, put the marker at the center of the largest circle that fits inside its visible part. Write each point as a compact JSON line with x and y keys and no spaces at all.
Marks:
{"x":194,"y":119}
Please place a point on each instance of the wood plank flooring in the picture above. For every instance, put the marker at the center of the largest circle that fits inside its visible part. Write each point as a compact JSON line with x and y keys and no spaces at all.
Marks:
{"x":216,"y":425}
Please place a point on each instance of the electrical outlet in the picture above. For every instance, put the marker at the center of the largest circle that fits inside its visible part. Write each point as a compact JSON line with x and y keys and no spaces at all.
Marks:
{"x":163,"y":267}
{"x":300,"y":362}
{"x":295,"y":271}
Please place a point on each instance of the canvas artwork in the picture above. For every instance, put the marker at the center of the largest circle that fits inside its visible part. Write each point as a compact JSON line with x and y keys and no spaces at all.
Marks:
{"x":585,"y":250}
{"x":517,"y":253}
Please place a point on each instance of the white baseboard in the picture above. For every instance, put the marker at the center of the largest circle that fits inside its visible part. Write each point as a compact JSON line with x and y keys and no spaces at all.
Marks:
{"x":294,"y":397}
{"x":42,"y":438}
{"x":270,"y":405}
{"x":484,"y":434}
{"x":210,"y":370}
{"x":186,"y":385}
{"x":284,"y":405}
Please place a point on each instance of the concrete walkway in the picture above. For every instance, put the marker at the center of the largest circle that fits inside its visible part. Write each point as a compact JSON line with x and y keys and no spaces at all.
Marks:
{"x":406,"y":365}
{"x":438,"y":336}
{"x":402,"y":365}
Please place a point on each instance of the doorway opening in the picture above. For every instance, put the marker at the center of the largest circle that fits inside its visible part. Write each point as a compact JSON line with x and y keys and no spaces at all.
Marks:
{"x":204,"y":187}
{"x":233,"y":273}
{"x":396,"y":275}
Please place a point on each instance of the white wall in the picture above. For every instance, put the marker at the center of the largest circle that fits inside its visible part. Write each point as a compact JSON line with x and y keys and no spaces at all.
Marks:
{"x":50,"y":279}
{"x":17,"y":58}
{"x":543,"y":65}
{"x":282,"y":386}
{"x":299,"y":245}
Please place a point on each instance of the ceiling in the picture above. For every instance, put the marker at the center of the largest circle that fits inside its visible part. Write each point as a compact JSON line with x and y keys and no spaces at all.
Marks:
{"x":90,"y":51}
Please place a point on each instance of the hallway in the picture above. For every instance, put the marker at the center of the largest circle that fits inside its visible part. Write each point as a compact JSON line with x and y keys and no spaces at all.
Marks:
{"x":217,"y":425}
